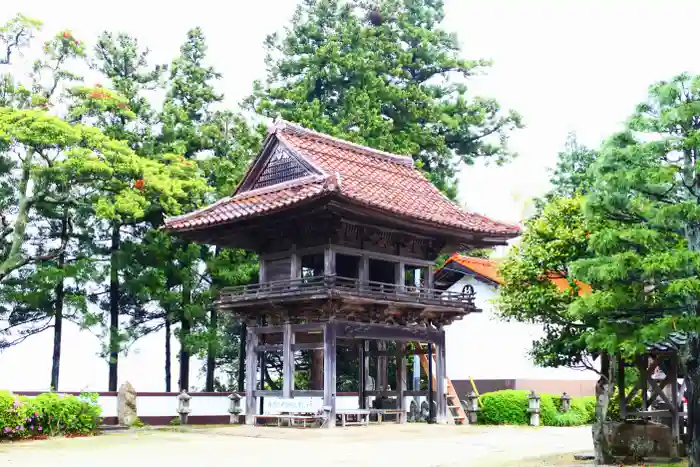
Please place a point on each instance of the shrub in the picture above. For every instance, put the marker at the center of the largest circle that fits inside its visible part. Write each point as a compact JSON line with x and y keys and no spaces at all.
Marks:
{"x":507,"y":407}
{"x":614,"y":406}
{"x":47,"y":414}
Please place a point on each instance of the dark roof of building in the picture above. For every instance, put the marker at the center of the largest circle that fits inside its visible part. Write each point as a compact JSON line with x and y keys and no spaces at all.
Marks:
{"x":324,"y":165}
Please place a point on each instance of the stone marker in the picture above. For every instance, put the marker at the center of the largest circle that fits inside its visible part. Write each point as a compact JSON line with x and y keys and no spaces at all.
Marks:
{"x":126,"y":404}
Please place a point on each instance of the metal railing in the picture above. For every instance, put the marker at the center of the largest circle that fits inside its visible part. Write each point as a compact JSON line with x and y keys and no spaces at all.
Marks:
{"x":338,"y":285}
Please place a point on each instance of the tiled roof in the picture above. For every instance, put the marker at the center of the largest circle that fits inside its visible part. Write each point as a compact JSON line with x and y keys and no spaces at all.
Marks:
{"x":377,"y":179}
{"x":489,"y":269}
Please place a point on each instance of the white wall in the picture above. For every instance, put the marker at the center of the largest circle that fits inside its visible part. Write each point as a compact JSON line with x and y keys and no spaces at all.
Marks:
{"x":484,"y":347}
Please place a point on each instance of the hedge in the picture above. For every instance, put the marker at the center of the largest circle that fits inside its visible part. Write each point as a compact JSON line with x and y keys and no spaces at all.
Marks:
{"x":48,"y":414}
{"x":509,"y":407}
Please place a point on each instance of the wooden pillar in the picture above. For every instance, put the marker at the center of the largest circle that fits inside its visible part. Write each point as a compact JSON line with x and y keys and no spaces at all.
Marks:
{"x":329,"y":261}
{"x":382,"y":367}
{"x":431,"y":386}
{"x":364,"y":269}
{"x":251,"y":375}
{"x":441,"y":377}
{"x":621,"y":386}
{"x":363,"y":364}
{"x":401,"y":381}
{"x":329,"y":377}
{"x":400,"y":275}
{"x":295,"y":272}
{"x":675,"y":412}
{"x":287,"y":361}
{"x":643,"y":365}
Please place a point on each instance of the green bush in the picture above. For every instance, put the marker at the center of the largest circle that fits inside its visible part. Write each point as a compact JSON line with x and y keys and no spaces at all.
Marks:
{"x":614,"y":406}
{"x":47,"y":414}
{"x":509,"y":407}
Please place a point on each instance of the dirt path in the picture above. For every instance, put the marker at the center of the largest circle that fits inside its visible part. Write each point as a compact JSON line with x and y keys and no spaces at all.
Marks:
{"x":405,"y":445}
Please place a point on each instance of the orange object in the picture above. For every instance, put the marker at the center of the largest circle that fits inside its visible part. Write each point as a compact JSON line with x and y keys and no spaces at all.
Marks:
{"x":139,"y":184}
{"x":489,"y":269}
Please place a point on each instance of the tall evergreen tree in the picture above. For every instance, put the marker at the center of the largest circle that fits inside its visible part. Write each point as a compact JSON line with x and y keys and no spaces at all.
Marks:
{"x":384,"y":74}
{"x":645,"y":270}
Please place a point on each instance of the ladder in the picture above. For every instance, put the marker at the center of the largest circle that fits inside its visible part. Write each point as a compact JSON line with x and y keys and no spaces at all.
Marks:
{"x":454,"y":406}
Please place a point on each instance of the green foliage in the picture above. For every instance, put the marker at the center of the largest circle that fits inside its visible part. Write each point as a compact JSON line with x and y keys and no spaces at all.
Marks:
{"x":396,"y":83}
{"x":47,"y":414}
{"x":137,"y":423}
{"x":552,"y":240}
{"x":509,"y":407}
{"x":614,"y":407}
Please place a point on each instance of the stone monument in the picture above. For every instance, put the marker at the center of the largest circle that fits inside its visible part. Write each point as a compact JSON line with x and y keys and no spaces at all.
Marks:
{"x":126,"y":404}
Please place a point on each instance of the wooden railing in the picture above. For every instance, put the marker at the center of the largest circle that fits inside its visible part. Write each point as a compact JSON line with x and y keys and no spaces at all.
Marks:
{"x":347,"y":286}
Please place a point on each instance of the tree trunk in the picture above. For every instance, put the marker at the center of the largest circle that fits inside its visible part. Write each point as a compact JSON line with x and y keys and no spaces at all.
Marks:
{"x":243,"y":333}
{"x":114,"y":343}
{"x":13,"y":258}
{"x":211,"y":350}
{"x":603,"y":391}
{"x":60,"y":295}
{"x":185,"y":328}
{"x":691,"y":364}
{"x":168,"y":333}
{"x":690,"y":356}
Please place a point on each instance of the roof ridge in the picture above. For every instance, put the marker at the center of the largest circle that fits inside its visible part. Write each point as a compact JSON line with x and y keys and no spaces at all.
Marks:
{"x":282,"y":125}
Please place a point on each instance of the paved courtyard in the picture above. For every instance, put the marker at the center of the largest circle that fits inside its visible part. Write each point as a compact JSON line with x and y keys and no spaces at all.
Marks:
{"x":405,"y":445}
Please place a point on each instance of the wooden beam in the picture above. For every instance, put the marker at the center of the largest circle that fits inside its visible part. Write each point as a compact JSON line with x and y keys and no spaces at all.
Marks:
{"x":344,"y":250}
{"x":364,"y":269}
{"x":262,"y":276}
{"x":430,"y":277}
{"x":295,"y":328}
{"x":266,"y":392}
{"x":308,"y":393}
{"x":251,"y":377}
{"x":400,"y":274}
{"x":329,"y":376}
{"x":269,"y":348}
{"x":307,"y":346}
{"x":357,"y":330}
{"x":287,"y":362}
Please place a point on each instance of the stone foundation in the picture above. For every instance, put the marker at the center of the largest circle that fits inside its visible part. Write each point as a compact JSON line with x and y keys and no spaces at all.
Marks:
{"x":637,"y":440}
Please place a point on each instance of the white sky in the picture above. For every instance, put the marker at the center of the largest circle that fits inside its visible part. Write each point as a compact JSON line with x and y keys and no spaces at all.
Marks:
{"x":579,"y":65}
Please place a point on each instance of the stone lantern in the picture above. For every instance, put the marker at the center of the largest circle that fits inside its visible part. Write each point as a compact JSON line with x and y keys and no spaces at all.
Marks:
{"x":183,"y":406}
{"x":234,"y":408}
{"x":472,"y":407}
{"x":533,"y":406}
{"x":565,"y":400}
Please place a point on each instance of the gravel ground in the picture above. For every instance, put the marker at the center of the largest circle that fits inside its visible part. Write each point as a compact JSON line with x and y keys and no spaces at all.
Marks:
{"x":408,"y":445}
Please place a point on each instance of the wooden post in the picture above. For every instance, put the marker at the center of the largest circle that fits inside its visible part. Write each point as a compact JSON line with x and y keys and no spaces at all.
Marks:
{"x":621,"y":386}
{"x":329,"y":261}
{"x":382,"y":368}
{"x":251,"y":375}
{"x":329,"y":377}
{"x":364,"y":269}
{"x":431,"y":388}
{"x":287,"y":361}
{"x":401,"y":382}
{"x":295,"y":272}
{"x":400,"y":275}
{"x":643,"y":365}
{"x":675,"y":416}
{"x":362,"y":402}
{"x":441,"y":381}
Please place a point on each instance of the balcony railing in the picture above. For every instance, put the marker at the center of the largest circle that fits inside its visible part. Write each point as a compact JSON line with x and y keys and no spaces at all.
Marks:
{"x":329,"y":286}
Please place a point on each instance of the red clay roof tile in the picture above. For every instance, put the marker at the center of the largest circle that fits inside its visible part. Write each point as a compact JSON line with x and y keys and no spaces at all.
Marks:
{"x":375,"y":178}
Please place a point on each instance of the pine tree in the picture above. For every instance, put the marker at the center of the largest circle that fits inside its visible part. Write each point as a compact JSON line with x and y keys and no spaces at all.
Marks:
{"x":645,"y":269}
{"x":384,"y":74}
